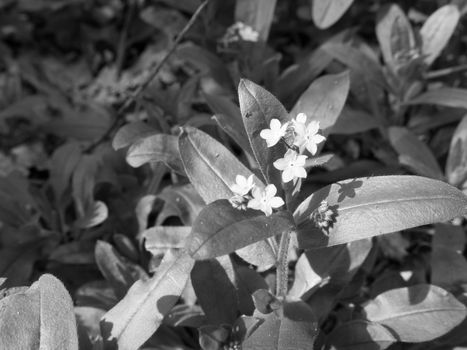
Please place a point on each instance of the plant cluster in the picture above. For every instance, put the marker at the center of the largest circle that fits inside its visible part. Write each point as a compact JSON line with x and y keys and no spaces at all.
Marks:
{"x":239,"y":174}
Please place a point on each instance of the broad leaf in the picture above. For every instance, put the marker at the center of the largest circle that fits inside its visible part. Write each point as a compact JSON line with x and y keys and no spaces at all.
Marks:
{"x":258,"y":107}
{"x":414,"y":154}
{"x":418,"y":313}
{"x":456,"y":164}
{"x":367,"y":207}
{"x":213,"y":282}
{"x":221,"y":229}
{"x":41,"y":317}
{"x":394,"y":33}
{"x":352,"y":121}
{"x":63,"y":163}
{"x":156,"y":148}
{"x":360,"y":335}
{"x":138,"y":315}
{"x":296,"y":328}
{"x":130,"y":133}
{"x":326,"y":13}
{"x":210,"y":166}
{"x":158,"y":239}
{"x":437,"y":30}
{"x":323,"y":100}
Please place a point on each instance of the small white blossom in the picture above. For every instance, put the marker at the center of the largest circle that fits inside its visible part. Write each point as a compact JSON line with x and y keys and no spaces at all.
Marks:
{"x":275,"y":133}
{"x":323,"y":216}
{"x":292,"y":166}
{"x":240,"y":31}
{"x":265,"y":200}
{"x":243,"y":185}
{"x":306,"y":136}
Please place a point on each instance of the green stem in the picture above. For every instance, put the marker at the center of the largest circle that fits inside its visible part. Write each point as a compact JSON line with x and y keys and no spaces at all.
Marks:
{"x":282,"y":268}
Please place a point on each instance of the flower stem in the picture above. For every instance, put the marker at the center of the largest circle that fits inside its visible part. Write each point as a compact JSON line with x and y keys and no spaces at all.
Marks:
{"x":282,"y":266}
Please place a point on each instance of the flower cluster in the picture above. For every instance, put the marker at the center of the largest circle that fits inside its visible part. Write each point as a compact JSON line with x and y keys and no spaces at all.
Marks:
{"x":304,"y":137}
{"x":323,"y":216}
{"x":247,"y":195}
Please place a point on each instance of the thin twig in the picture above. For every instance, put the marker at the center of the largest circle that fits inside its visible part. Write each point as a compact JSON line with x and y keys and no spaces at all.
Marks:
{"x":282,"y":266}
{"x":123,"y":37}
{"x":149,"y":79}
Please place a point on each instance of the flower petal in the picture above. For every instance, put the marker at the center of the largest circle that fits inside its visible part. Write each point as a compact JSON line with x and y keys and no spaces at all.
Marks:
{"x":287,"y":175}
{"x":318,"y":138}
{"x":276,"y":202}
{"x":275,"y":124}
{"x":301,"y":118}
{"x":266,"y":134}
{"x":270,"y":191}
{"x":281,"y":164}
{"x":254,"y":204}
{"x":300,"y":172}
{"x":313,"y":127}
{"x":312,"y":148}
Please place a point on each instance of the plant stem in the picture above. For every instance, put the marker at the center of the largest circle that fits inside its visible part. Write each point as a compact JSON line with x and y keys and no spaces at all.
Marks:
{"x":282,"y":268}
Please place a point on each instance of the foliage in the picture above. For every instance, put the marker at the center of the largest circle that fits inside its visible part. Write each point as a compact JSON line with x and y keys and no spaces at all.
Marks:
{"x":232,"y":175}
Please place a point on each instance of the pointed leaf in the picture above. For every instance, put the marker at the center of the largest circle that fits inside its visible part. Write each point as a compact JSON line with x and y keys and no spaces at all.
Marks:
{"x":367,"y":207}
{"x":418,"y":313}
{"x":258,"y":107}
{"x":138,"y":315}
{"x":221,"y":229}
{"x":394,"y":33}
{"x":323,"y":100}
{"x":326,"y":13}
{"x":414,"y":154}
{"x":210,"y":166}
{"x":437,"y":30}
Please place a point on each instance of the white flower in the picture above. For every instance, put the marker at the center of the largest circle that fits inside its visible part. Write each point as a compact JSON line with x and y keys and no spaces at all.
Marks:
{"x":292,"y":165}
{"x":247,"y":33}
{"x":243,"y":185}
{"x":265,"y":200}
{"x":306,"y":136}
{"x":275,"y":133}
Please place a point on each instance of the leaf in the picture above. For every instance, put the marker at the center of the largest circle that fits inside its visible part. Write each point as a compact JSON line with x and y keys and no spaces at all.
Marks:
{"x":221,"y":229}
{"x":131,"y":133}
{"x":331,"y":265}
{"x":456,"y":164}
{"x":417,"y":313}
{"x":41,"y":317}
{"x":352,"y":121}
{"x":323,"y":100}
{"x":138,"y":315}
{"x":413,"y":153}
{"x":63,"y":163}
{"x":367,"y":207}
{"x":360,"y":335}
{"x":437,"y":30}
{"x":295,"y":329}
{"x":156,"y":148}
{"x":258,"y":107}
{"x":394,"y":33}
{"x":96,"y":214}
{"x":210,"y":166}
{"x":448,"y":264}
{"x":118,"y":271}
{"x":445,"y":96}
{"x":217,"y":295}
{"x":228,"y":117}
{"x":257,"y":14}
{"x":326,"y":13}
